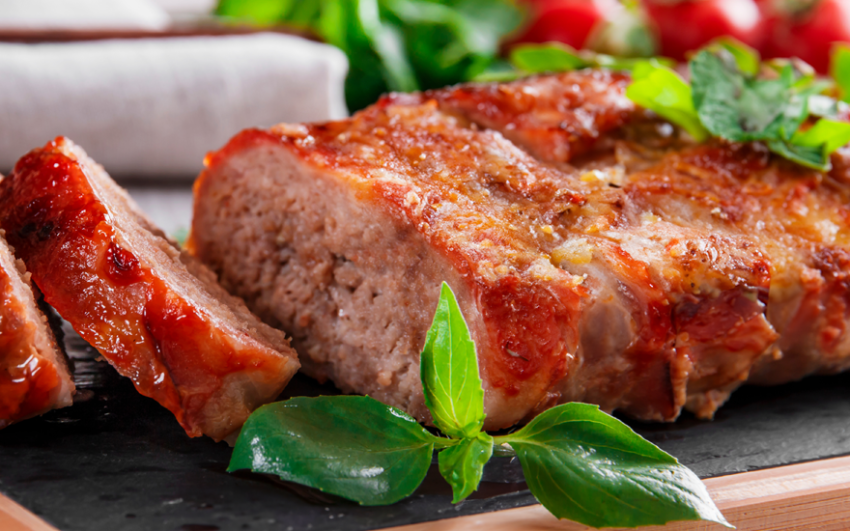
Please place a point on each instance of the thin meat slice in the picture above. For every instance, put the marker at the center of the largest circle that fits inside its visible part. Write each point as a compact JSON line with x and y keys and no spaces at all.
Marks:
{"x":155,"y":313}
{"x":34,"y":374}
{"x":340,"y":233}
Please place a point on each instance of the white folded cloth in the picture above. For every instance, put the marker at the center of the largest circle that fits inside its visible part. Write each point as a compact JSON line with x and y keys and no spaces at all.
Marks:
{"x":155,"y":107}
{"x":82,"y":15}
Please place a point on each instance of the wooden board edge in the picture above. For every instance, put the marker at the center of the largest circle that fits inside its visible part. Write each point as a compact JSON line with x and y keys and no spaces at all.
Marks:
{"x":794,"y":497}
{"x":14,"y":517}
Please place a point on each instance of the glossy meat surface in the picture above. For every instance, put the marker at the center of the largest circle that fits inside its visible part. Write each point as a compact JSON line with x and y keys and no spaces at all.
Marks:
{"x":34,"y":376}
{"x":153,"y":312}
{"x":597,"y":255}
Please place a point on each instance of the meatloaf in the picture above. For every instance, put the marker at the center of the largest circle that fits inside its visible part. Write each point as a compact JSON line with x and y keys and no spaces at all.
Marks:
{"x":155,"y":313}
{"x":597,"y":253}
{"x":34,"y":375}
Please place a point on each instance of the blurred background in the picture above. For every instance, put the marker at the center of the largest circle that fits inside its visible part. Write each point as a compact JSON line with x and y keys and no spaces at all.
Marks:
{"x":147,"y":87}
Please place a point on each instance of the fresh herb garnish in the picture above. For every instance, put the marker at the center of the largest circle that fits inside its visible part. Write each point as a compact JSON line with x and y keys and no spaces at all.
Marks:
{"x":839,"y":69}
{"x":727,"y":98}
{"x":527,"y":59}
{"x":579,"y":462}
{"x":398,"y":45}
{"x":660,"y":89}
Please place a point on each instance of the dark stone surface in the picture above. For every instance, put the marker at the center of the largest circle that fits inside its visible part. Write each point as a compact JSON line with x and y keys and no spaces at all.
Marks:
{"x":116,"y":460}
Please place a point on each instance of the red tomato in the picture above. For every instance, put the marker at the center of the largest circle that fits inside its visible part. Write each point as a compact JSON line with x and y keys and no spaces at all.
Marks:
{"x":687,"y":25}
{"x":810,"y":33}
{"x":571,"y":22}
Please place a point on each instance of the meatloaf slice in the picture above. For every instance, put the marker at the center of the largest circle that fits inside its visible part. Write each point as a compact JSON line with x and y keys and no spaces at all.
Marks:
{"x":34,"y":375}
{"x":574,"y":289}
{"x":154,"y":312}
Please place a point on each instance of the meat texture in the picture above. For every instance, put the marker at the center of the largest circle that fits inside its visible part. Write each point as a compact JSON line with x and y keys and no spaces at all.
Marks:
{"x":155,"y":313}
{"x":34,"y":375}
{"x":598,"y":255}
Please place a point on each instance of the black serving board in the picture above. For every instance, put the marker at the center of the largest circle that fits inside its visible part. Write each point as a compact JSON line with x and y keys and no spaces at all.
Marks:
{"x":118,"y":461}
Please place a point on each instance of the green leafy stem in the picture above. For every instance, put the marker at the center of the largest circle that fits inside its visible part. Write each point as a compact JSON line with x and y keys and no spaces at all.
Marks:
{"x":579,"y":462}
{"x":731,"y":94}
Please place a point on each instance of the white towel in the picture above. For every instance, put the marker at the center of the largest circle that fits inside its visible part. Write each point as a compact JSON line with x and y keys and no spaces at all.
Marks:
{"x":82,"y":15}
{"x":155,"y":107}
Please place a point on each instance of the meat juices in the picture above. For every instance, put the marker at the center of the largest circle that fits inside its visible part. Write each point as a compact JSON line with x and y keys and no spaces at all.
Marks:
{"x":597,"y":254}
{"x":155,"y":313}
{"x":34,"y":376}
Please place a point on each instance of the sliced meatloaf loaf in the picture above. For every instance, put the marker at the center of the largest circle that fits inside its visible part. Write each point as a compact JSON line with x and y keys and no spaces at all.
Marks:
{"x":597,"y":254}
{"x":155,"y":313}
{"x":34,"y":375}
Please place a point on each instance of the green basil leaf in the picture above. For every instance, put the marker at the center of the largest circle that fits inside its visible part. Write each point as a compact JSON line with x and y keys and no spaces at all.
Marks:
{"x":826,"y":107}
{"x":827,"y":134}
{"x":589,"y":467}
{"x":717,"y":91}
{"x":747,"y":58}
{"x":552,"y":57}
{"x":463,"y":464}
{"x":449,"y":372}
{"x":810,"y":157}
{"x":498,"y":71}
{"x":350,"y":446}
{"x":387,"y":42}
{"x":452,"y":40}
{"x":660,"y":89}
{"x":741,"y":108}
{"x":839,"y":69}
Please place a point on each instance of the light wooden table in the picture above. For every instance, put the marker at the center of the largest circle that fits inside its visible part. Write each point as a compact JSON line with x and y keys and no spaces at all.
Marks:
{"x":808,"y":496}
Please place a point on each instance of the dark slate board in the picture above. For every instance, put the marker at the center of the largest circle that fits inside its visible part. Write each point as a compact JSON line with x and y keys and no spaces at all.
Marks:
{"x":116,"y":460}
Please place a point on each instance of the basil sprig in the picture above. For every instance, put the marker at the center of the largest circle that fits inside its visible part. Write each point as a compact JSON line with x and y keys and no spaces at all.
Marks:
{"x":527,"y":59}
{"x":727,"y":98}
{"x":579,"y":462}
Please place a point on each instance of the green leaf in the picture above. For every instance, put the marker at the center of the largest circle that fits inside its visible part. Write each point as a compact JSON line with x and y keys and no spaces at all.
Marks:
{"x":558,"y":57}
{"x":811,"y":157}
{"x":660,"y":89}
{"x":589,"y":467}
{"x":450,"y":41}
{"x":828,"y":134}
{"x":742,"y":108}
{"x":747,"y":58}
{"x":552,"y":57}
{"x":463,"y":464}
{"x":350,"y":446}
{"x":498,"y":71}
{"x":262,"y":12}
{"x":839,"y":69}
{"x":826,"y":107}
{"x":812,"y":147}
{"x":449,"y":372}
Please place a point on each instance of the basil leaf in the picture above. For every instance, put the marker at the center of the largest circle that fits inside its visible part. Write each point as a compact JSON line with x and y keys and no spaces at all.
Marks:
{"x":839,"y":69}
{"x":449,"y":372}
{"x":747,"y":58}
{"x":558,"y":57}
{"x":829,"y":134}
{"x":463,"y":464}
{"x":453,"y":40}
{"x":660,"y":89}
{"x":350,"y":446}
{"x":499,"y":71}
{"x":552,"y":57}
{"x":811,"y":157}
{"x":826,"y":107}
{"x":589,"y":467}
{"x":812,"y":147}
